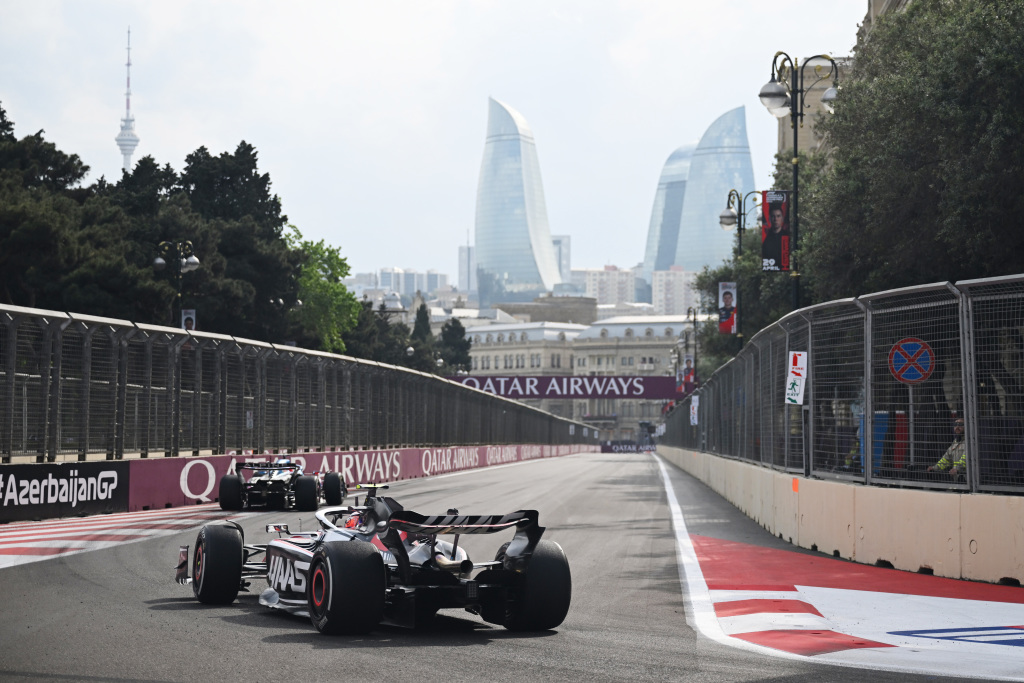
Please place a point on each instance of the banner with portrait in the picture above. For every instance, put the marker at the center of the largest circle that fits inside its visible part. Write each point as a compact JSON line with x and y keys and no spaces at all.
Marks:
{"x":775,"y":233}
{"x":727,"y":310}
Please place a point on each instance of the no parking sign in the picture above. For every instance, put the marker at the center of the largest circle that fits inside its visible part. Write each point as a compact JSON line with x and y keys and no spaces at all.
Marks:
{"x":911,"y":360}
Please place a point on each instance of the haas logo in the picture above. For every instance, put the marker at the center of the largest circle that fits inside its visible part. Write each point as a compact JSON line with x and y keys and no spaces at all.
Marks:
{"x":284,"y":574}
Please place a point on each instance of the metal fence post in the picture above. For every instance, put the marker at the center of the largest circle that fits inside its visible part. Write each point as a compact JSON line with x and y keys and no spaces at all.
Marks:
{"x":968,"y":353}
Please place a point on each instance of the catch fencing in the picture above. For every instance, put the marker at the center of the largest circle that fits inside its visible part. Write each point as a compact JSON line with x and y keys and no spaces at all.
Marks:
{"x":75,"y":388}
{"x":889,"y":375}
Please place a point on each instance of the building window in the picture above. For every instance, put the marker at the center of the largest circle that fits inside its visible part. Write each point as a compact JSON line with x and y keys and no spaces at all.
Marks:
{"x":604,"y":334}
{"x":648,"y":332}
{"x":668,"y":332}
{"x":501,"y":338}
{"x":629,"y":332}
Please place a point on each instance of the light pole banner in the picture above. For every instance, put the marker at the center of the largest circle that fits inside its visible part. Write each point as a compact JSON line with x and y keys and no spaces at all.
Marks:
{"x":727,"y":312}
{"x":796,"y":378}
{"x":775,"y":230}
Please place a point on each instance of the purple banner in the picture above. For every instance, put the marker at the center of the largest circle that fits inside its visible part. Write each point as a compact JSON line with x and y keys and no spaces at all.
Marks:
{"x":583,"y":386}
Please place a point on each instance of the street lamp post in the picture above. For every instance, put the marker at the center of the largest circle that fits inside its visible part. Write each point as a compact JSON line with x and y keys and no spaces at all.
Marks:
{"x":784,"y":94}
{"x":728,"y":218}
{"x":691,"y":313}
{"x":186,"y":261}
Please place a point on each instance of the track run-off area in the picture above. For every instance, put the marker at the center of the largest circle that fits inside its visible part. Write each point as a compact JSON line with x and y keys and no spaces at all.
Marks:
{"x":670,"y":582}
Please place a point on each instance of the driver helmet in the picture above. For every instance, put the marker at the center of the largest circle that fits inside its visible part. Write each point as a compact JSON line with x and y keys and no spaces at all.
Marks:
{"x":354,"y":520}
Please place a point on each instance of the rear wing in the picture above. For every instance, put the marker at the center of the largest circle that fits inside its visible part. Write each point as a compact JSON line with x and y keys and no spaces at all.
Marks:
{"x":266,"y":466}
{"x":413,"y":522}
{"x":517,"y":555}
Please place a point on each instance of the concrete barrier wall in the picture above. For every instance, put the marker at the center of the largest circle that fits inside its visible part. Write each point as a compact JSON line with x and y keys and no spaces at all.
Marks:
{"x":964,"y":536}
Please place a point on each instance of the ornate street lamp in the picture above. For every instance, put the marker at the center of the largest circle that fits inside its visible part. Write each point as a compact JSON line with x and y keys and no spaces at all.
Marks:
{"x":784,"y":94}
{"x":691,"y":314}
{"x":729,"y":218}
{"x":186,"y":261}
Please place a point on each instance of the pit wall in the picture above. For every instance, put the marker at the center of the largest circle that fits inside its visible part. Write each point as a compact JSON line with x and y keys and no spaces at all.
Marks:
{"x":962,"y":536}
{"x":50,"y":490}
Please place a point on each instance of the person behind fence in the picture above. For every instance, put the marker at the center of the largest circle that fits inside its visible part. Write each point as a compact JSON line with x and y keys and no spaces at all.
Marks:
{"x":954,"y":460}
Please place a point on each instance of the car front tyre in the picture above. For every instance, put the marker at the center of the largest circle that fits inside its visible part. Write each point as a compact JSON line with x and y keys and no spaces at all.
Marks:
{"x":345,"y":588}
{"x":217,"y":564}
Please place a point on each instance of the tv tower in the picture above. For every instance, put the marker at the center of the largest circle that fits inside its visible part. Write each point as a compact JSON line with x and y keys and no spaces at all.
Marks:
{"x":127,"y":140}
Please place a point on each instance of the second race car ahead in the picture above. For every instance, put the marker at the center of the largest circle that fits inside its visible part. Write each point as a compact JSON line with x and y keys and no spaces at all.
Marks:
{"x":279,"y":485}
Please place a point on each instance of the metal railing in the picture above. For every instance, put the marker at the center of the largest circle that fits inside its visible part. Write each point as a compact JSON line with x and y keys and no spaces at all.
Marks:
{"x":889,"y":374}
{"x":75,"y":387}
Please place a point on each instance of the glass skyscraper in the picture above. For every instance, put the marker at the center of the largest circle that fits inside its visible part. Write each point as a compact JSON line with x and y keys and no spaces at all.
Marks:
{"x":721,"y":162}
{"x":515,"y":256}
{"x":663,"y":232}
{"x":692,"y":191}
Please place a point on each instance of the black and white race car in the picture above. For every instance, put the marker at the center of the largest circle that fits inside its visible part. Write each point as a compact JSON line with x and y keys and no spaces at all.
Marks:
{"x":381,"y":564}
{"x":279,"y":485}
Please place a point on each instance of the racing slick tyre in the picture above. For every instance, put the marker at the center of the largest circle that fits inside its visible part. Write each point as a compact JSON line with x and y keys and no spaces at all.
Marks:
{"x":217,"y":564}
{"x":232,"y":492}
{"x":334,"y":488}
{"x":544,"y":591}
{"x":345,"y":588}
{"x":306,"y":496}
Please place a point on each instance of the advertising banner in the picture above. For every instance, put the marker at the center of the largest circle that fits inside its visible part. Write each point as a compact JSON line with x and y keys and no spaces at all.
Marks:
{"x":694,"y":410}
{"x":608,"y":386}
{"x":173,"y":482}
{"x":727,"y":313}
{"x":775,"y":230}
{"x":62,"y":490}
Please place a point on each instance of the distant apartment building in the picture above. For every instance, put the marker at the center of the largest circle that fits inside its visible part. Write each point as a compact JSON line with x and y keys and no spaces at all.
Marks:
{"x":407,"y":282}
{"x":672,"y":291}
{"x":608,"y":285}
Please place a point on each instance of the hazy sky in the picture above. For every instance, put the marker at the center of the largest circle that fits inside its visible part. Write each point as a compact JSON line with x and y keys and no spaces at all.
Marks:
{"x":370,"y":116}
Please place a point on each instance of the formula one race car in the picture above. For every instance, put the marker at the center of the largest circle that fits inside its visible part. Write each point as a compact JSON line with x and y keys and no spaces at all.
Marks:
{"x":381,"y":564}
{"x":279,"y":485}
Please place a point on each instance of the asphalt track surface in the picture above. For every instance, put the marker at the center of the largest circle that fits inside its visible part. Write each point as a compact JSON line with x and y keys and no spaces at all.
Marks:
{"x":116,"y":614}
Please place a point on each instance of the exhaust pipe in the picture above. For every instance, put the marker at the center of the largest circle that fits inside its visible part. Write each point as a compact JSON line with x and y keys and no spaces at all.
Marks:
{"x":456,"y":566}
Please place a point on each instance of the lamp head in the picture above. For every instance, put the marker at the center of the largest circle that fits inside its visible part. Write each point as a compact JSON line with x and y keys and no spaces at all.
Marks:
{"x":727,"y":219}
{"x":774,"y":96}
{"x":829,"y":99}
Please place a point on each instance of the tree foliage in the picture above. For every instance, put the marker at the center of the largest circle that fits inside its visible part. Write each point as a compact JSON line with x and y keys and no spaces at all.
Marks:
{"x":90,"y":249}
{"x":926,"y":162}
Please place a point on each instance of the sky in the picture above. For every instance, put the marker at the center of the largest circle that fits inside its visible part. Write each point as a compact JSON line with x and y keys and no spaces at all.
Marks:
{"x":371,"y":117}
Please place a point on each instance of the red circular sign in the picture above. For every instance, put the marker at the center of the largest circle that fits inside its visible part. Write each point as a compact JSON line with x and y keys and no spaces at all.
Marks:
{"x":911,"y":360}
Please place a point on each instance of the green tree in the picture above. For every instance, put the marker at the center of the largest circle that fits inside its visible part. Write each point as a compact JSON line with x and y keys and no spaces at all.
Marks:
{"x":453,"y":346}
{"x":926,"y":160}
{"x":328,"y":309}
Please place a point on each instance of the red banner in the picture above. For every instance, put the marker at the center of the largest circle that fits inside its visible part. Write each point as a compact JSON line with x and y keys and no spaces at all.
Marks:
{"x":775,"y":230}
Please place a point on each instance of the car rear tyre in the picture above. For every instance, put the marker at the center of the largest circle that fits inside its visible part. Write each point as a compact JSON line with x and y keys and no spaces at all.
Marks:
{"x":306,"y":496}
{"x":232,"y":492}
{"x":334,"y":489}
{"x":345,"y":589}
{"x":544,"y":592}
{"x":217,"y":564}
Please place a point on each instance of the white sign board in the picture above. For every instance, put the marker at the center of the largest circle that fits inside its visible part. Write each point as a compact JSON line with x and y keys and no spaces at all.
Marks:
{"x":694,"y":405}
{"x":796,"y":378}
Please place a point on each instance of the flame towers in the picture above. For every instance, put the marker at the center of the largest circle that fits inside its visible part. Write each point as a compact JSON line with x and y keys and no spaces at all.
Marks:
{"x":515,"y":254}
{"x":692,"y":190}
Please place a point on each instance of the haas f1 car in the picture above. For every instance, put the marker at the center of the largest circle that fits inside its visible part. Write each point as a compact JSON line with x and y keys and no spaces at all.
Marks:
{"x":379,"y":563}
{"x":279,"y":485}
